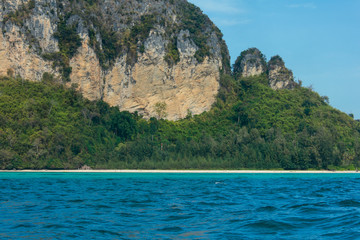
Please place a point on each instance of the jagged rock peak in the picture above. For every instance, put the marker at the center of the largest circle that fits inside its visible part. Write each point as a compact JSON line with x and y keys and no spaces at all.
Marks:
{"x":251,"y":62}
{"x":279,"y":76}
{"x":132,"y":54}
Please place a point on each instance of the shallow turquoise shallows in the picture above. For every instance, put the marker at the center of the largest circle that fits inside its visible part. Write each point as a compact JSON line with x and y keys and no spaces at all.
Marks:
{"x":179,"y":206}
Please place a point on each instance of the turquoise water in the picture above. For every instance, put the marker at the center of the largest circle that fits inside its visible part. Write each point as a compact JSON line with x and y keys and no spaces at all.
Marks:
{"x":179,"y":206}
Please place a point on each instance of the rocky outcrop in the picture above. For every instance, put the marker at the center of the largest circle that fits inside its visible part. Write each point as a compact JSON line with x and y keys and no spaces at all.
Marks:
{"x":279,"y":76}
{"x":251,"y":62}
{"x":86,"y":72}
{"x":26,"y":29}
{"x":133,"y":54}
{"x":188,"y":85}
{"x":18,"y":57}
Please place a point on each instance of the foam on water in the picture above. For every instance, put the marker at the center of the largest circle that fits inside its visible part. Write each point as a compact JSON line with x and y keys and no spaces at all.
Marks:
{"x":179,"y":206}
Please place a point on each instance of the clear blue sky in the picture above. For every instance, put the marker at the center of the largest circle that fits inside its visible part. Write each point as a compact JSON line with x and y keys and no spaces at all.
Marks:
{"x":318,"y":39}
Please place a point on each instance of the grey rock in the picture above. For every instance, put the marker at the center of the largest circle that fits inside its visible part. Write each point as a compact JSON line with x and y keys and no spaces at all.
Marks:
{"x":251,"y":62}
{"x":279,"y":76}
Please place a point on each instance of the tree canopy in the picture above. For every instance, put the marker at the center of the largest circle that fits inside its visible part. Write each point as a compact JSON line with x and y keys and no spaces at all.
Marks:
{"x":251,"y":126}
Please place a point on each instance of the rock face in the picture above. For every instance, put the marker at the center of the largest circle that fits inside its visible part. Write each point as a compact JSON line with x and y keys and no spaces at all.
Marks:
{"x":184,"y":86}
{"x":251,"y":62}
{"x":279,"y":76}
{"x":131,"y":54}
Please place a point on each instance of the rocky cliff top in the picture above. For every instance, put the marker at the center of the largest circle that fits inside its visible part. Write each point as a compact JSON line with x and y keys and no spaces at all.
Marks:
{"x":115,"y":28}
{"x":251,"y":62}
{"x":280,"y":77}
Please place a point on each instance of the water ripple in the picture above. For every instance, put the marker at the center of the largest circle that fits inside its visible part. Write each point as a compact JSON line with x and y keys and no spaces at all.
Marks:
{"x":179,"y":206}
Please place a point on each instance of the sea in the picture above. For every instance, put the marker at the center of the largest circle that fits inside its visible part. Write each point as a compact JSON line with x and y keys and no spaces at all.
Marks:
{"x":179,"y":206}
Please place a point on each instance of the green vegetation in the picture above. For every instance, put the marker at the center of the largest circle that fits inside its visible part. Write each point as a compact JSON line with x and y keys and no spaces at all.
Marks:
{"x":196,"y":22}
{"x":44,"y":125}
{"x":160,"y":110}
{"x":251,"y":126}
{"x":138,"y":34}
{"x":201,"y":28}
{"x":110,"y":46}
{"x":276,"y":60}
{"x":69,"y":42}
{"x":113,"y":44}
{"x":173,"y":56}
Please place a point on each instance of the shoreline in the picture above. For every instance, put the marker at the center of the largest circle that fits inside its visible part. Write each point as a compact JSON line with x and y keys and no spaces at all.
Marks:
{"x":173,"y":171}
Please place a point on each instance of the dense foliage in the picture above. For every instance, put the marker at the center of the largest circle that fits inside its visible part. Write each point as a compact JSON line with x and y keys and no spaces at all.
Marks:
{"x":44,"y":125}
{"x":172,"y":57}
{"x":48,"y":126}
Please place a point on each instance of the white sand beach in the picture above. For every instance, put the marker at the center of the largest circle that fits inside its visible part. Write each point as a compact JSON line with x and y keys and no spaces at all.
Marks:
{"x":177,"y":171}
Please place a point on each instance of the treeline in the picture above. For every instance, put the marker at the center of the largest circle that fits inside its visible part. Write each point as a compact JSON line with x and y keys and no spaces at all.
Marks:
{"x":243,"y":149}
{"x":251,"y":126}
{"x":45,"y":125}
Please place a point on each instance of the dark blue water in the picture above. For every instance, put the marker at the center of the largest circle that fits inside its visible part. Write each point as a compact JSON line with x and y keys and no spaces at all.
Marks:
{"x":179,"y":206}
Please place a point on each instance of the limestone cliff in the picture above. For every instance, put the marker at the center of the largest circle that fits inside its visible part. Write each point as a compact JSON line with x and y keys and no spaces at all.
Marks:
{"x":251,"y":62}
{"x":132,"y":54}
{"x":279,"y":76}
